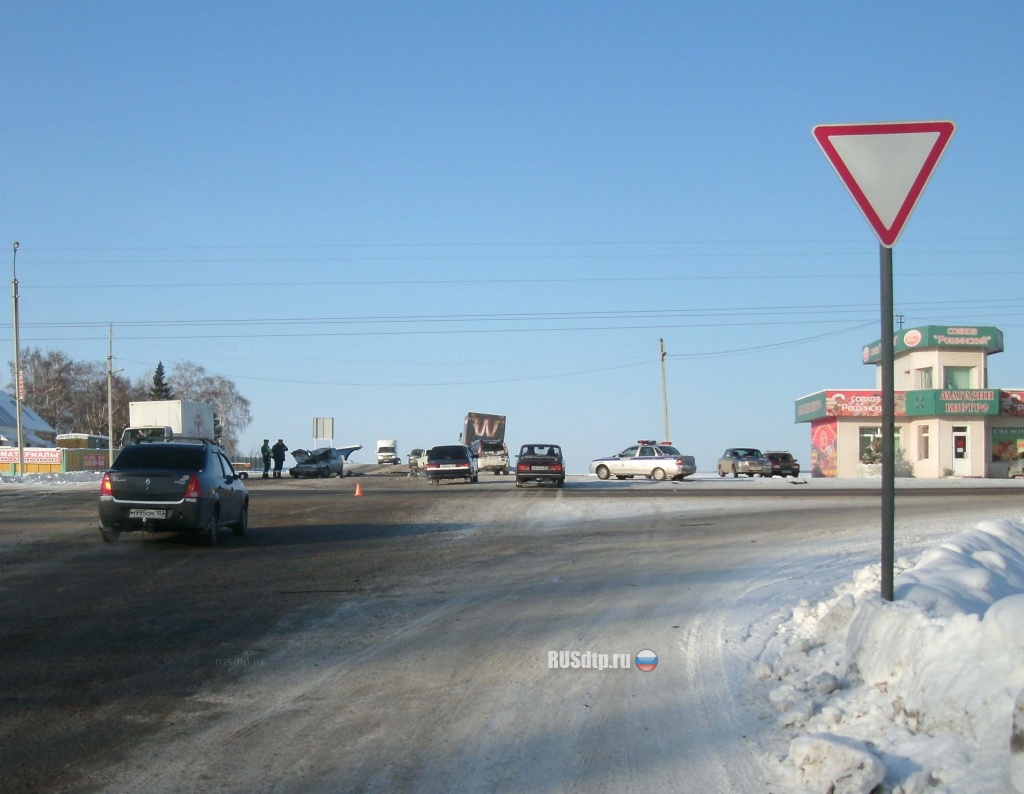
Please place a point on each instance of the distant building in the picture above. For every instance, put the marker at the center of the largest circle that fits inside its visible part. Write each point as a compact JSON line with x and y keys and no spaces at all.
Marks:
{"x":34,"y":429}
{"x":949,"y":422}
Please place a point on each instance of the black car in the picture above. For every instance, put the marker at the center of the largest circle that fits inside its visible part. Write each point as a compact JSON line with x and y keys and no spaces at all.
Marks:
{"x":450,"y":462}
{"x":783,"y":464}
{"x":540,"y":463}
{"x":167,"y":486}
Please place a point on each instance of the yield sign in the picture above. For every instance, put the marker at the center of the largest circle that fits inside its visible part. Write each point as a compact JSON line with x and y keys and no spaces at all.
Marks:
{"x":885,"y":166}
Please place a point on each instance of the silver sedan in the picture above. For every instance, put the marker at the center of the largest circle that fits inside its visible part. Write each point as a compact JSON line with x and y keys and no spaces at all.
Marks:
{"x":744,"y":460}
{"x":646,"y":459}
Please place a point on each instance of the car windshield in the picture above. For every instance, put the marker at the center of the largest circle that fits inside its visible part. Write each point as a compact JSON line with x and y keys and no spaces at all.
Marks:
{"x":748,"y":453}
{"x":778,"y":455}
{"x":161,"y":456}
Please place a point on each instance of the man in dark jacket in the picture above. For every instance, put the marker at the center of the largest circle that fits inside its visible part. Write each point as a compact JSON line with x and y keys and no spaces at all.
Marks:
{"x":278,"y":451}
{"x":265,"y":452}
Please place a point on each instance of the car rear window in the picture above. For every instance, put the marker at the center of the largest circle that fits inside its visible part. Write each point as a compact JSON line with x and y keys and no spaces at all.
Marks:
{"x":492,"y":446}
{"x":161,"y":456}
{"x":447,"y":452}
{"x":670,"y":451}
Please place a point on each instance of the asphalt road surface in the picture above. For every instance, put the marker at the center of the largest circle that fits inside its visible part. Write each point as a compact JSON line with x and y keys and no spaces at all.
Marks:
{"x":401,"y":640}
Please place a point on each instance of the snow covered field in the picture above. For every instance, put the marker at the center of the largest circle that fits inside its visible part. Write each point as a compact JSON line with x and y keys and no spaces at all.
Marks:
{"x":922,"y":694}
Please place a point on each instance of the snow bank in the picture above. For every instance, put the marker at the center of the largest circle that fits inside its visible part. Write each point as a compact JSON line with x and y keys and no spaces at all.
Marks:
{"x":931,"y":685}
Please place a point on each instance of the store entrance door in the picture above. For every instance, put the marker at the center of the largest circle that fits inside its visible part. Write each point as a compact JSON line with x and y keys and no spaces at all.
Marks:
{"x":961,"y":463}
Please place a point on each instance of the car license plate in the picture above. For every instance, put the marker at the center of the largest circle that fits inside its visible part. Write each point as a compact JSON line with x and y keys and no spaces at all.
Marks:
{"x":451,"y":466}
{"x":141,"y":513}
{"x":539,"y":468}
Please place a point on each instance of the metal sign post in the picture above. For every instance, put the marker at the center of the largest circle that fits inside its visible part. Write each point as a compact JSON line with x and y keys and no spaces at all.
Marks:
{"x":885,"y":167}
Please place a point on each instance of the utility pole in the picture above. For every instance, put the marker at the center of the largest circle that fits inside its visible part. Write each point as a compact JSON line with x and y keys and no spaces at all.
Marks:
{"x":110,"y":400}
{"x":17,"y":369}
{"x":664,"y":389}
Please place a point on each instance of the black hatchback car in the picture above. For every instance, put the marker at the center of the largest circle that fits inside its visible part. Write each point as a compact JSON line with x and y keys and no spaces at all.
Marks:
{"x":169,"y":486}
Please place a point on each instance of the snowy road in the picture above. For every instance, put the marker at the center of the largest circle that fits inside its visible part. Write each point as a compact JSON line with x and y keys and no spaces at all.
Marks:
{"x":402,"y":642}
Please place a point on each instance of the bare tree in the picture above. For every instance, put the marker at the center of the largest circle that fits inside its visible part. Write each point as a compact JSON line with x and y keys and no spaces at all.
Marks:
{"x":190,"y":381}
{"x":72,"y":395}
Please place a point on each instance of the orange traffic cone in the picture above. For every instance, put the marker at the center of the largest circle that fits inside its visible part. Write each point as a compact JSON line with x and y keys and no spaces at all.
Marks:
{"x":359,"y":489}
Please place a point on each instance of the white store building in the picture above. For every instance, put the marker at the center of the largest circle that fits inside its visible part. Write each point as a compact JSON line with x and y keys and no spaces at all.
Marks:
{"x":949,"y":421}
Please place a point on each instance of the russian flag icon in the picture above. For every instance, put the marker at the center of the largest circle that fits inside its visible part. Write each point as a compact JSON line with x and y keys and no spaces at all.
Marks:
{"x":646,"y":661}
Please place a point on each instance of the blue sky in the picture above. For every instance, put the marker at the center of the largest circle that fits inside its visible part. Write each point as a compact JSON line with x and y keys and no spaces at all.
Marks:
{"x":395,"y":213}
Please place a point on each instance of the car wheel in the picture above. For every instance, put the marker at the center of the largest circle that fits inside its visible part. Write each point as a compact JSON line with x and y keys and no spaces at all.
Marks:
{"x":212,"y":528}
{"x":110,"y":535}
{"x":720,"y":472}
{"x":658,"y":474}
{"x":603,"y":473}
{"x":243,"y":522}
{"x":519,"y":483}
{"x":735,"y":473}
{"x":561,"y":483}
{"x":474,"y":478}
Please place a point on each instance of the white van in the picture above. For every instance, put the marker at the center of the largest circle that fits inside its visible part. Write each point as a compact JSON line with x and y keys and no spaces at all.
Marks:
{"x":387,"y":451}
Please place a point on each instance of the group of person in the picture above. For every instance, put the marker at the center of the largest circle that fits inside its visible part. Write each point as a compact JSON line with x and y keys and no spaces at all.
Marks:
{"x":275,"y":453}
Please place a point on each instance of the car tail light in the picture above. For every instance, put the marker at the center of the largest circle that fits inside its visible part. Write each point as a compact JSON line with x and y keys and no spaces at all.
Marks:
{"x":106,"y":489}
{"x":555,"y":467}
{"x":192,"y":490}
{"x":433,"y":465}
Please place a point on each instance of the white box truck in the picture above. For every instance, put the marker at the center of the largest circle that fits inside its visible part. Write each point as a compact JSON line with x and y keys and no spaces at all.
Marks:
{"x":166,"y":419}
{"x":387,"y":451}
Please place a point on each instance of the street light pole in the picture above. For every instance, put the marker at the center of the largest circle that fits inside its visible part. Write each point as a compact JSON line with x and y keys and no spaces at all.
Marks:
{"x":17,"y":369}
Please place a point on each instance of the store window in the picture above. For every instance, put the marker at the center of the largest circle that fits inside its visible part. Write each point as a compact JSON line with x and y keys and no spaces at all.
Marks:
{"x":925,"y":379}
{"x":957,"y":377}
{"x":871,"y":444}
{"x":924,"y":446}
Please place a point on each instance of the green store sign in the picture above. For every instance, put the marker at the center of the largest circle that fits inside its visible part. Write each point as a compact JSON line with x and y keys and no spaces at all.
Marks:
{"x":953,"y":402}
{"x":957,"y":337}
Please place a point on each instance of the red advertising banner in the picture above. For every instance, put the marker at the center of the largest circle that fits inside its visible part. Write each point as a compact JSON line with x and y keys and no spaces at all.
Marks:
{"x":32,"y":454}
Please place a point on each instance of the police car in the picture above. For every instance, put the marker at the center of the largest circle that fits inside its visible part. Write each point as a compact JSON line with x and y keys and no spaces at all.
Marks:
{"x":657,"y":460}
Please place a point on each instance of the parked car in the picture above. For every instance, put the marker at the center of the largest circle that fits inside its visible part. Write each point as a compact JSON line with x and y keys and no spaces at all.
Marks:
{"x":783,"y":463}
{"x":1016,"y":468}
{"x":491,"y":455}
{"x":320,"y":462}
{"x":540,"y":463}
{"x":646,"y":459}
{"x":172,"y":486}
{"x":450,"y":462}
{"x":744,"y":460}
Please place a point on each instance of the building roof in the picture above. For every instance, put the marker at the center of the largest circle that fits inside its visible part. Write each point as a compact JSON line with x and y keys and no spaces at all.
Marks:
{"x":31,"y":422}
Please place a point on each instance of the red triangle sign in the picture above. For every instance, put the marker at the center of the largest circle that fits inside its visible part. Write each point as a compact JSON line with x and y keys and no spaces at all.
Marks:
{"x":885,"y":166}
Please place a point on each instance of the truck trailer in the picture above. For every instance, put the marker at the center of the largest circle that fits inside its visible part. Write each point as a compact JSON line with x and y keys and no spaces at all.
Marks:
{"x":482,"y":426}
{"x":166,"y":419}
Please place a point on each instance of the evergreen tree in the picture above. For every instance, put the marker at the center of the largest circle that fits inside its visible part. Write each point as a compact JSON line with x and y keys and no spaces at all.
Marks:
{"x":160,"y":390}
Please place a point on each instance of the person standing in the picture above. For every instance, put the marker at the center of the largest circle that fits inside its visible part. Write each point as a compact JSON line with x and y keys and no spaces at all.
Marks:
{"x":278,"y":451}
{"x":265,"y":452}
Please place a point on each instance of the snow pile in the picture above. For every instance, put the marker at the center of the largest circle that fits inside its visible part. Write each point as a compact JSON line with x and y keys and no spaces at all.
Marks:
{"x":68,"y":478}
{"x":925,"y":693}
